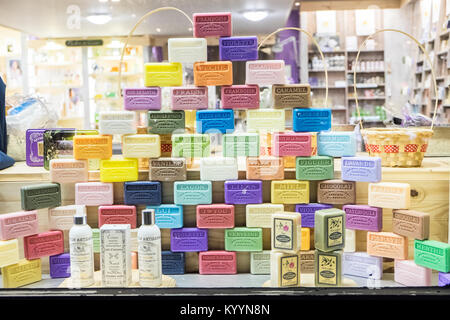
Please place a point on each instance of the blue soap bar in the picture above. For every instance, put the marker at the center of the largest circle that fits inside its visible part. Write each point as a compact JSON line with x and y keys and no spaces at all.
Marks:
{"x":238,"y":48}
{"x":192,"y":192}
{"x":311,"y":120}
{"x":336,"y":144}
{"x":168,"y":216}
{"x":214,"y":121}
{"x":172,"y":262}
{"x":364,"y":169}
{"x":142,"y":192}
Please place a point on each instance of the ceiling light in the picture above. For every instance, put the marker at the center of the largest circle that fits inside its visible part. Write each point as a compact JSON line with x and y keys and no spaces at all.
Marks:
{"x":158,"y":29}
{"x":190,"y":28}
{"x":102,"y":0}
{"x":297,"y":4}
{"x":99,"y":18}
{"x":256,"y":15}
{"x":115,"y":0}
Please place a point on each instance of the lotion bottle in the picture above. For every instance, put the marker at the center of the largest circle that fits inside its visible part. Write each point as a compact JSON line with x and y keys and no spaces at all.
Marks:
{"x":149,"y":251}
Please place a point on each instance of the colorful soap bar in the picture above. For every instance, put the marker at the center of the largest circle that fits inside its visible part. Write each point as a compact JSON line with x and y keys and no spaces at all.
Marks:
{"x":117,"y":122}
{"x":168,"y":216}
{"x":142,"y":98}
{"x":61,"y":218}
{"x":187,"y":50}
{"x":215,"y":216}
{"x":165,"y":122}
{"x":336,"y":192}
{"x":215,"y":121}
{"x":243,"y":191}
{"x":58,"y":144}
{"x":59,"y":265}
{"x":411,"y":224}
{"x":213,"y":73}
{"x":360,"y":264}
{"x":191,"y":145}
{"x":362,"y":217}
{"x":22,"y":273}
{"x":265,"y":72}
{"x":96,"y":239}
{"x":92,"y":147}
{"x":284,"y":269}
{"x":286,"y":232}
{"x":119,"y":170}
{"x":9,"y":252}
{"x":291,"y":144}
{"x":390,"y":195}
{"x":163,"y":74}
{"x":314,"y":168}
{"x":364,"y":169}
{"x":94,"y":193}
{"x":142,"y":192}
{"x":308,"y":211}
{"x":260,"y":262}
{"x":306,"y":261}
{"x":336,"y":144}
{"x":172,"y":262}
{"x":328,"y":272}
{"x":350,"y":240}
{"x":188,"y":240}
{"x":260,"y":215}
{"x":117,"y":214}
{"x":329,"y":229}
{"x":68,"y":170}
{"x":141,"y":146}
{"x":238,"y":48}
{"x":243,"y":239}
{"x":212,"y":24}
{"x":189,"y":98}
{"x":217,"y":262}
{"x":218,"y":169}
{"x":443,"y":279}
{"x":387,"y":245}
{"x":432,"y":254}
{"x":18,"y":224}
{"x":167,"y":169}
{"x":240,"y":145}
{"x":306,"y":239}
{"x":291,"y":95}
{"x":289,"y":191}
{"x":134,"y":260}
{"x":311,"y":120}
{"x":240,"y":97}
{"x":192,"y":192}
{"x":265,"y":168}
{"x":34,"y":144}
{"x":266,"y":120}
{"x":43,"y":244}
{"x":408,"y":273}
{"x":40,"y":196}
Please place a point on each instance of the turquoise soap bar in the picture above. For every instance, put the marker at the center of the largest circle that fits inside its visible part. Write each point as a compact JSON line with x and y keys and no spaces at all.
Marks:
{"x":432,"y":254}
{"x":336,"y":144}
{"x":243,"y":239}
{"x":192,"y":192}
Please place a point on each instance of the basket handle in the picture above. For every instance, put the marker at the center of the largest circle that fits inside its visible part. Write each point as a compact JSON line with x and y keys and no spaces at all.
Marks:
{"x":426,"y":56}
{"x":315,"y":43}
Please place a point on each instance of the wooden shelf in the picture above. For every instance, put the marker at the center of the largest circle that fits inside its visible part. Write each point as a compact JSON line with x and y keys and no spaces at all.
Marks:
{"x":373,"y":71}
{"x":366,"y":85}
{"x":328,"y":70}
{"x":323,"y":87}
{"x":367,"y":98}
{"x":327,"y":52}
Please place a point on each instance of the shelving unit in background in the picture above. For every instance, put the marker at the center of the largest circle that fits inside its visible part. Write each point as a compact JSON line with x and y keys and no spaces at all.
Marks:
{"x":11,"y":64}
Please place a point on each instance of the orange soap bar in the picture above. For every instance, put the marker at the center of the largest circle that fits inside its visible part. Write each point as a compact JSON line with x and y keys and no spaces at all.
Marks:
{"x":387,"y":245}
{"x":92,"y":147}
{"x":213,"y":73}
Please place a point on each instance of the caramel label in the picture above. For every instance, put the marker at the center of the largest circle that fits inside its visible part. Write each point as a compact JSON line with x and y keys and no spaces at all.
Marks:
{"x":327,"y":269}
{"x":335,"y":230}
{"x":289,"y":90}
{"x":283,"y":233}
{"x":289,"y":271}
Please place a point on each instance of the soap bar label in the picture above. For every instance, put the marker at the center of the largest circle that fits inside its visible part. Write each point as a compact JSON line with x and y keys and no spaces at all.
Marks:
{"x":327,"y":269}
{"x":335,"y":230}
{"x":283,"y":233}
{"x":289,"y":271}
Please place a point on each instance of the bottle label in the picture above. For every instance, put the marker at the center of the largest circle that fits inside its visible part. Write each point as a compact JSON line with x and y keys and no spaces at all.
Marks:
{"x":283,"y":233}
{"x":149,"y":256}
{"x":289,"y":271}
{"x":81,"y":260}
{"x":327,"y":270}
{"x":335,"y":226}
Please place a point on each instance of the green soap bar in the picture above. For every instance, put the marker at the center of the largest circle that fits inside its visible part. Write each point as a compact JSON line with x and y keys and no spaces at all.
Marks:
{"x":39,"y":196}
{"x":329,"y":229}
{"x":314,"y":168}
{"x":96,"y":239}
{"x":260,"y":262}
{"x":328,"y":268}
{"x":191,"y":145}
{"x":243,"y":239}
{"x":432,"y":254}
{"x":240,"y":144}
{"x":165,"y":122}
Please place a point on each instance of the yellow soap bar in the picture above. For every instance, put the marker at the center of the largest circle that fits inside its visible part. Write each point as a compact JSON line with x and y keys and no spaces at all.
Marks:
{"x":289,"y":161}
{"x":306,"y":239}
{"x":286,"y":232}
{"x":22,"y":273}
{"x":289,"y":191}
{"x":163,"y":74}
{"x":284,"y":269}
{"x":266,"y":120}
{"x":141,"y":146}
{"x":390,"y":195}
{"x":9,"y":252}
{"x":119,"y":170}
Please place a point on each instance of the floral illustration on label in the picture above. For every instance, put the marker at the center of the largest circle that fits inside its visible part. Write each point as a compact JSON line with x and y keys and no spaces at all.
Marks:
{"x":335,"y":226}
{"x":289,"y":271}
{"x":327,"y":269}
{"x":283,"y":233}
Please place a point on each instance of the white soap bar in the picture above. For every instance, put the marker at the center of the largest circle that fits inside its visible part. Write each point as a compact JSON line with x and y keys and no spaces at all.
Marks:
{"x":266,"y":120}
{"x":350,"y":240}
{"x":218,"y":169}
{"x":260,"y":215}
{"x":284,"y":269}
{"x":260,"y":262}
{"x":141,"y":146}
{"x":134,"y":240}
{"x":187,"y":50}
{"x":117,"y":122}
{"x":61,"y":218}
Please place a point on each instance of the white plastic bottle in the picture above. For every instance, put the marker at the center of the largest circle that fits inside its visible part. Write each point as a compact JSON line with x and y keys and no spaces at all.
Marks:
{"x":81,"y":253}
{"x":149,"y":251}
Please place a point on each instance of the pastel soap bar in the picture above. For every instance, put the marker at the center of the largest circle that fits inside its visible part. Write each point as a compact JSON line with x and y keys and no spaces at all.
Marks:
{"x":188,"y":240}
{"x":9,"y":252}
{"x":172,"y":262}
{"x":92,"y":147}
{"x":94,"y":193}
{"x":61,"y":218}
{"x":265,"y":72}
{"x":328,"y":271}
{"x":117,"y":122}
{"x":191,"y":145}
{"x":284,"y":269}
{"x":364,"y":169}
{"x":165,"y":122}
{"x":411,"y":224}
{"x":408,"y":273}
{"x":167,"y":169}
{"x":336,"y":144}
{"x":265,"y":168}
{"x":362,"y":217}
{"x":34,"y":144}
{"x":214,"y":24}
{"x":243,"y":239}
{"x":43,"y":244}
{"x":238,"y":48}
{"x":260,"y":215}
{"x":314,"y":168}
{"x":311,"y":120}
{"x":163,"y":74}
{"x":291,"y":96}
{"x":329,"y":230}
{"x":387,"y":245}
{"x":142,"y":192}
{"x":192,"y":192}
{"x":215,"y":216}
{"x":68,"y":170}
{"x":307,"y":261}
{"x":336,"y":192}
{"x":286,"y":233}
{"x":432,"y":254}
{"x":96,"y":240}
{"x":134,"y":240}
{"x":243,"y":191}
{"x":289,"y":191}
{"x":40,"y":196}
{"x":60,"y":265}
{"x":187,"y":50}
{"x":240,"y":97}
{"x":22,"y":273}
{"x":218,"y":169}
{"x":215,"y":121}
{"x":142,"y":98}
{"x":240,"y":145}
{"x":117,"y":214}
{"x":390,"y":195}
{"x":141,"y":146}
{"x":291,"y":144}
{"x":189,"y":98}
{"x":266,"y":120}
{"x":260,"y":262}
{"x":217,"y":262}
{"x":360,"y":264}
{"x":119,"y":170}
{"x":308,"y":211}
{"x":213,"y":73}
{"x":18,"y":224}
{"x":443,"y":279}
{"x":350,"y":240}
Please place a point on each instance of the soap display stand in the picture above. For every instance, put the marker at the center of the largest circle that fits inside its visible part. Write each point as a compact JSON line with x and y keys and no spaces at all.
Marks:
{"x":307,"y":280}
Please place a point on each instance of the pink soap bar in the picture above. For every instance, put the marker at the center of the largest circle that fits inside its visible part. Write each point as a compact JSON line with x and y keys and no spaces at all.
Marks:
{"x":265,"y":72}
{"x":94,"y":193}
{"x":119,"y":214}
{"x":240,"y":97}
{"x":43,"y":244}
{"x":212,"y":216}
{"x":214,"y":24}
{"x":217,"y":262}
{"x":142,"y":98}
{"x":408,"y":273}
{"x":291,"y":144}
{"x":18,"y":224}
{"x":68,"y":170}
{"x":189,"y":98}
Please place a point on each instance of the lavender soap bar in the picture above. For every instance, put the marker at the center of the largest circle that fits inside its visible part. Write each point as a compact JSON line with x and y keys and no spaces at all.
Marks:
{"x":362,"y":217}
{"x":60,"y":265}
{"x":364,"y":169}
{"x":243,"y":191}
{"x":238,"y":48}
{"x":307,"y":211}
{"x":188,"y":240}
{"x":35,"y":147}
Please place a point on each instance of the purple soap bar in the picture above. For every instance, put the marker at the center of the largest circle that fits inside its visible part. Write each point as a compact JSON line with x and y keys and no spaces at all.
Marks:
{"x":307,"y":212}
{"x":243,"y":191}
{"x":60,"y":265}
{"x":188,"y":240}
{"x":238,"y":48}
{"x":35,"y":147}
{"x":443,"y":279}
{"x":364,"y":169}
{"x":362,"y":217}
{"x":142,"y":98}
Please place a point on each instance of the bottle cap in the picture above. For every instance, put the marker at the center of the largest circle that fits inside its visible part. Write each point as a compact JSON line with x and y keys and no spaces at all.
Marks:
{"x":148,"y":216}
{"x":79,"y":219}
